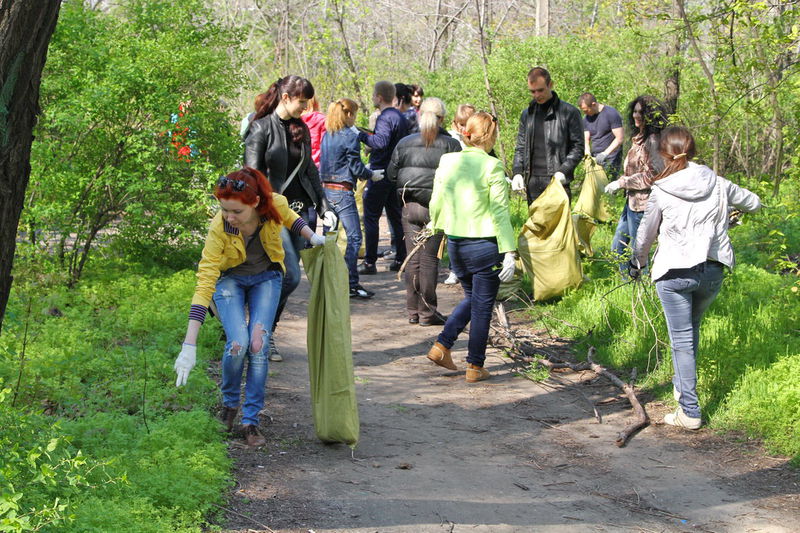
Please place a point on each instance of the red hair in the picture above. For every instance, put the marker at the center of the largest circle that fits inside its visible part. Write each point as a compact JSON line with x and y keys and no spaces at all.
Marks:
{"x":257,"y":189}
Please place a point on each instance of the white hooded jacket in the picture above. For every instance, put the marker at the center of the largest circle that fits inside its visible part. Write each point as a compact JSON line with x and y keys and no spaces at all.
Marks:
{"x":688,"y":212}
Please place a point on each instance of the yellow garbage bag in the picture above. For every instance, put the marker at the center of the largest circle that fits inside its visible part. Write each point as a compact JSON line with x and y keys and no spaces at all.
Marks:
{"x":590,"y":206}
{"x":330,"y":352}
{"x":548,"y":245}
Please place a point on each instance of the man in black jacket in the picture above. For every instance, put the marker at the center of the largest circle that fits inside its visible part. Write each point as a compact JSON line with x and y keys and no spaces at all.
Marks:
{"x":549,"y":140}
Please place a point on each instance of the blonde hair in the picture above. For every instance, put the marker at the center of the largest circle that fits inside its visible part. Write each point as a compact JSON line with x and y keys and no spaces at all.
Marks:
{"x":481,"y":130}
{"x":463,"y":112}
{"x":313,"y":105}
{"x":337,"y":112}
{"x":430,"y":111}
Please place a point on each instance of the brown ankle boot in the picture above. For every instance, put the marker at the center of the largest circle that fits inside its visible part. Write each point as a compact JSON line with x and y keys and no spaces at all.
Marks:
{"x":476,"y":373}
{"x":441,"y":356}
{"x":253,"y":436}
{"x":228,"y":416}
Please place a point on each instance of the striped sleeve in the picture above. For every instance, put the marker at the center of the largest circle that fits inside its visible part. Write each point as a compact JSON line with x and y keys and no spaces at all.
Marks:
{"x":298,"y":226}
{"x":198,"y":312}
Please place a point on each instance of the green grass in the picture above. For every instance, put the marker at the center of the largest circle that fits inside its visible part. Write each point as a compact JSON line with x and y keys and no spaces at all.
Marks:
{"x":749,"y":353}
{"x":134,"y":453}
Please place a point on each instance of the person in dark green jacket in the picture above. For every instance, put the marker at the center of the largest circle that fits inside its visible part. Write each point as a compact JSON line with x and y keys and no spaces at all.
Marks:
{"x":470,"y":204}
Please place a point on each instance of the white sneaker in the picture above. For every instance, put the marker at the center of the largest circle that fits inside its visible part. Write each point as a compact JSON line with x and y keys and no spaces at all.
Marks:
{"x":452,"y":279}
{"x":274,"y":355}
{"x":681,"y":420}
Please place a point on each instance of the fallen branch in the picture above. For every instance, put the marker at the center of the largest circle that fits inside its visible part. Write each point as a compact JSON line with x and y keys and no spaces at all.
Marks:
{"x":517,"y":351}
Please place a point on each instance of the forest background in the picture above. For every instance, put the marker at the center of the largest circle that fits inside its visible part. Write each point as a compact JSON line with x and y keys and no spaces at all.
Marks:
{"x":141,"y":102}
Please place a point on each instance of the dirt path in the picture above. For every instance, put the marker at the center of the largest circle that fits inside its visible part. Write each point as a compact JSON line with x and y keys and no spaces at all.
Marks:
{"x":505,"y":455}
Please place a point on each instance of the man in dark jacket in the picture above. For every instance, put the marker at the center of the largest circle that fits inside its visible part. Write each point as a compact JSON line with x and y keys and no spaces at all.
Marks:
{"x":549,"y":140}
{"x":390,"y":127}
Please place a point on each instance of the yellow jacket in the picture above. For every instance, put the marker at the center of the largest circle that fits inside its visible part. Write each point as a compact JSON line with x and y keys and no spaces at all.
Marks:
{"x":225,"y":249}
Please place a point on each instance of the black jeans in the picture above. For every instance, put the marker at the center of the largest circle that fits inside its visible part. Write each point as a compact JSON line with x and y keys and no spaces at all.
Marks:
{"x":422,"y":269}
{"x":380,"y":194}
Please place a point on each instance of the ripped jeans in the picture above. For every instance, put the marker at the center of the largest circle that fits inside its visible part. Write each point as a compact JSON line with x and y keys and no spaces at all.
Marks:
{"x":261,"y":293}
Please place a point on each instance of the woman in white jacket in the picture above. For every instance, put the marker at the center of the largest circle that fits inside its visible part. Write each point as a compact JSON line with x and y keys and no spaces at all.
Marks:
{"x":688,"y":212}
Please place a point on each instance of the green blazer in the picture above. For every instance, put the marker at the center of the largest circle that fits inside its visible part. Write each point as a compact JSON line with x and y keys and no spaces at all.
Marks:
{"x":470,"y":198}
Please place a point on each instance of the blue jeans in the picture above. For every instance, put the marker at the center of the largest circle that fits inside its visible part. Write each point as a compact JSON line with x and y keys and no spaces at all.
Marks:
{"x":685,"y":295}
{"x":292,"y":244}
{"x":476,"y":262}
{"x":625,"y":235}
{"x":251,"y":341}
{"x":380,"y":194}
{"x":344,"y":205}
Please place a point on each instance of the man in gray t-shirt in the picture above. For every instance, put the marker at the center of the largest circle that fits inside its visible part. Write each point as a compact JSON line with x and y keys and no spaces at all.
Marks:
{"x":602,"y":133}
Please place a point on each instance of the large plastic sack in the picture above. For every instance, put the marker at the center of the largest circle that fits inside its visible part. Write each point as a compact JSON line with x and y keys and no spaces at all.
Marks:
{"x":590,"y":207}
{"x":548,"y":245}
{"x":330,"y":353}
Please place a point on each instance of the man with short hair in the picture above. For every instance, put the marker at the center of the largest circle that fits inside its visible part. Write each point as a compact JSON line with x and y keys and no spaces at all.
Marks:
{"x":602,"y":133}
{"x":549,"y":140}
{"x":390,"y":127}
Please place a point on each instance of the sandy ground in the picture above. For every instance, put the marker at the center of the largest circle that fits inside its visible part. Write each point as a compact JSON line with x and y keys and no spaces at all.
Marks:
{"x":505,"y":455}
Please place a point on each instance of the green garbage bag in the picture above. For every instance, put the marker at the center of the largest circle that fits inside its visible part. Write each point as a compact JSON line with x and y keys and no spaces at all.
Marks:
{"x":590,"y":207}
{"x":330,"y":353}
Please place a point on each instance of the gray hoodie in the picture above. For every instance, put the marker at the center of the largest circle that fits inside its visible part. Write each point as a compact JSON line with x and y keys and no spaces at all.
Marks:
{"x":688,"y":212}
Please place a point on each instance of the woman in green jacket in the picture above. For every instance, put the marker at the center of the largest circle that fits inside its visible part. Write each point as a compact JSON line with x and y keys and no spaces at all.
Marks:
{"x":470,"y":204}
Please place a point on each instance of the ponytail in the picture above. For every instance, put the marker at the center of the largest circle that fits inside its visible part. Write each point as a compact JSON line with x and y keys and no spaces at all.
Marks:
{"x":430,"y":111}
{"x":677,"y":149}
{"x":337,"y":113}
{"x":295,"y":87}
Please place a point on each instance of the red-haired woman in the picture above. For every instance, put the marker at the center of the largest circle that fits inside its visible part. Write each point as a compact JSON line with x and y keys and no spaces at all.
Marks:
{"x":278,"y":144}
{"x":242,"y":264}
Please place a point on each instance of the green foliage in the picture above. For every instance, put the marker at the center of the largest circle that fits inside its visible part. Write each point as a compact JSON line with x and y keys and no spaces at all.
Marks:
{"x":747,"y":337}
{"x":99,"y":362}
{"x":132,"y":131}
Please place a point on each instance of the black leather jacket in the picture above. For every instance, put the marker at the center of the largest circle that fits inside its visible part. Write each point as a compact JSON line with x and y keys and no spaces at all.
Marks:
{"x":412,"y":165}
{"x":563,"y":131}
{"x":265,"y":149}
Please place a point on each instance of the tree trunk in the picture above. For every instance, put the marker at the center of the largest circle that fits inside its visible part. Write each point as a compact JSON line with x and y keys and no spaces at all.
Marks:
{"x":543,"y":18}
{"x":25,"y":30}
{"x":672,"y":85}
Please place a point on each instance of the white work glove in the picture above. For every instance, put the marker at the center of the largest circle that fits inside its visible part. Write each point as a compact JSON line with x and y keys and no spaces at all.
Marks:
{"x":612,"y":187}
{"x":509,"y":264}
{"x":562,"y":179}
{"x":354,"y":129}
{"x":317,"y":240}
{"x":330,"y":220}
{"x":185,"y":363}
{"x":377,"y":175}
{"x":517,"y":183}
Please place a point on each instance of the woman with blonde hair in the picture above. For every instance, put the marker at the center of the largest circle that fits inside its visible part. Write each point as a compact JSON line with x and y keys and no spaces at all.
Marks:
{"x":411,"y":169}
{"x":463,"y":112}
{"x":688,"y":212}
{"x":340,"y":167}
{"x":470,"y":204}
{"x":315,"y":120}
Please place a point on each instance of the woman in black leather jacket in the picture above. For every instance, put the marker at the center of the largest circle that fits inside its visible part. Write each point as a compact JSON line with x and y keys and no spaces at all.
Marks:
{"x":411,"y":169}
{"x":278,"y":144}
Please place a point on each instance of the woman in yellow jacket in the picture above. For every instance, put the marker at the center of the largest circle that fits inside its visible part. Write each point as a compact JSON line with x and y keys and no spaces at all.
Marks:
{"x":242,"y":264}
{"x":470,"y":204}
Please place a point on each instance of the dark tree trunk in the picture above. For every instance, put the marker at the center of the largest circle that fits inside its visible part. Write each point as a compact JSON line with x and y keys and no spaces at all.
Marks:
{"x":25,"y":30}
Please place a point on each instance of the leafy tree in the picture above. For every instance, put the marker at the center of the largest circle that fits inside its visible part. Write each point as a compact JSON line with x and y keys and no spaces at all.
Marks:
{"x":134,"y":128}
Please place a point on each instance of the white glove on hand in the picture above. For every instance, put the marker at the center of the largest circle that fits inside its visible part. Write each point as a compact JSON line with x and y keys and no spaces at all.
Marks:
{"x":377,"y":175}
{"x":330,"y":220}
{"x":612,"y":187}
{"x":509,"y":264}
{"x":317,"y":240}
{"x":562,"y":179}
{"x":517,"y":183}
{"x":354,"y":129}
{"x":185,"y":363}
